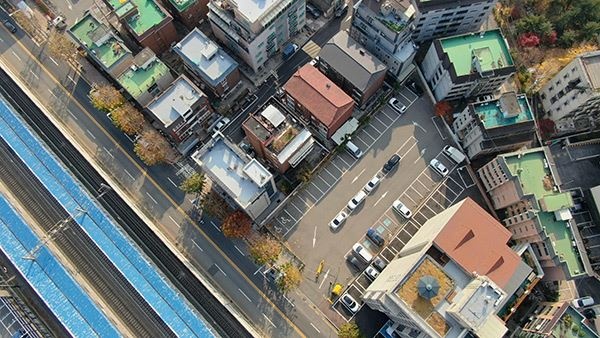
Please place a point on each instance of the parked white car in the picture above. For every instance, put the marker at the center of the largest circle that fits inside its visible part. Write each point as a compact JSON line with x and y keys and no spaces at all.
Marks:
{"x":221,"y":124}
{"x":397,"y":105}
{"x":350,"y":303}
{"x":361,"y":252}
{"x":402,"y":209}
{"x":439,"y":167}
{"x":338,"y":220}
{"x":372,"y":184}
{"x":371,"y":273}
{"x":583,"y":302}
{"x":357,"y":200}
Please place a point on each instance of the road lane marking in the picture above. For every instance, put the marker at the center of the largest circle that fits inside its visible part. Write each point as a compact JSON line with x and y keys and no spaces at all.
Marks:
{"x":215,"y":225}
{"x":52,"y":93}
{"x":315,"y":237}
{"x":174,"y":221}
{"x":223,"y":272}
{"x":173,"y":183}
{"x":152,"y":198}
{"x":314,"y":327}
{"x":53,"y":61}
{"x":70,"y":78}
{"x":357,"y":176}
{"x":245,"y":295}
{"x":144,"y":173}
{"x":324,"y":278}
{"x":238,"y":249}
{"x":268,"y":320}
{"x":108,"y":152}
{"x":289,"y":301}
{"x":72,"y":115}
{"x":198,"y":246}
{"x":128,"y":174}
{"x":17,"y":56}
{"x":34,"y":75}
{"x":380,"y":198}
{"x":90,"y":133}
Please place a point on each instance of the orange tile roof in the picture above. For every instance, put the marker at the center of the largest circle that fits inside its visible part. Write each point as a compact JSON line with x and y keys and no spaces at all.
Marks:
{"x":477,"y":242}
{"x":326,"y":101}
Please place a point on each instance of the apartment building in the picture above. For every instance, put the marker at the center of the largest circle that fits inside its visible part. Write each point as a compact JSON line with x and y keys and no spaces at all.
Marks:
{"x":244,"y":180}
{"x":208,"y":63}
{"x":102,"y":46}
{"x":572,"y":97}
{"x":467,"y":65}
{"x":495,"y":126}
{"x":277,"y":137}
{"x":455,"y":276}
{"x":145,"y":78}
{"x":189,"y":12}
{"x":147,"y":22}
{"x":351,"y":67}
{"x":383,"y":27}
{"x":558,"y":319}
{"x":318,"y":100}
{"x":255,"y":30}
{"x":183,"y":112}
{"x":523,"y":189}
{"x":440,"y":18}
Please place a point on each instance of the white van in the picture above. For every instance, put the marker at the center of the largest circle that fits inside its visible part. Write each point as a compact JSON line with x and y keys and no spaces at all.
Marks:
{"x":454,"y":154}
{"x":353,"y":149}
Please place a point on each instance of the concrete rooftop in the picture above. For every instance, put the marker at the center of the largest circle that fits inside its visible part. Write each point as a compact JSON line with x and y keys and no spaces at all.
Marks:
{"x":176,"y":101}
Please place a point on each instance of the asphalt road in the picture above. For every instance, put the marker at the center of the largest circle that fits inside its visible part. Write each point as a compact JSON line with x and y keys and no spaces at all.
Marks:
{"x":155,"y":191}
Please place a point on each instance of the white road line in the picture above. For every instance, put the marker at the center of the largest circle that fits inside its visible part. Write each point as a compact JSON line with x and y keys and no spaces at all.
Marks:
{"x":238,"y":249}
{"x":198,"y":246}
{"x":342,"y":159}
{"x":173,"y":183}
{"x":128,"y":174}
{"x":70,"y":78}
{"x":108,"y":152}
{"x":338,"y":168}
{"x":330,"y":174}
{"x":34,"y":74}
{"x":436,"y":127}
{"x":173,"y":220}
{"x":268,"y":320}
{"x":357,"y":176}
{"x":216,"y":227}
{"x":365,"y":132}
{"x":417,"y":191}
{"x":295,"y":207}
{"x":52,"y":93}
{"x":223,"y":272}
{"x":376,"y":118}
{"x":245,"y":295}
{"x":289,"y":301}
{"x":15,"y":54}
{"x":322,"y":179}
{"x":292,"y":217}
{"x":53,"y":61}
{"x":316,"y":186}
{"x":373,"y":126}
{"x":72,"y":115}
{"x":90,"y":133}
{"x":311,"y":324}
{"x":152,"y":198}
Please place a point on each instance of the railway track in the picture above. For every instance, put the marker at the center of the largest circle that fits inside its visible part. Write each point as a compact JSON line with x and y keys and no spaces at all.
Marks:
{"x":177,"y":272}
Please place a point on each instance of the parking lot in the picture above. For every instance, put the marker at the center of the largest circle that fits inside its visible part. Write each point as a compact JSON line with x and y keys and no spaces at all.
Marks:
{"x":428,"y":195}
{"x":332,"y":172}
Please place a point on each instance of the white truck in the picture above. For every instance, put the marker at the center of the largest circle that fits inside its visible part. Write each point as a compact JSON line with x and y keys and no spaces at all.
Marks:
{"x":454,"y":154}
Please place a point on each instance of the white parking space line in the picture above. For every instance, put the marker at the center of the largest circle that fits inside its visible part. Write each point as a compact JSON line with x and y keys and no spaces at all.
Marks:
{"x":327,"y":171}
{"x":455,"y":182}
{"x":417,"y":191}
{"x":338,"y":168}
{"x":292,"y":217}
{"x":438,"y":203}
{"x":360,"y":138}
{"x":410,"y":198}
{"x":407,"y":99}
{"x":311,"y":195}
{"x":365,"y":132}
{"x":421,"y":183}
{"x":373,"y":126}
{"x":313,"y":183}
{"x":437,"y":128}
{"x":296,"y":207}
{"x":342,"y":159}
{"x":426,"y":206}
{"x":322,"y":179}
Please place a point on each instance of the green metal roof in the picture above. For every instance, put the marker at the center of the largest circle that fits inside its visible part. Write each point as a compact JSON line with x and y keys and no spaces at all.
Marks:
{"x":535,"y":178}
{"x":138,"y":81}
{"x":109,"y":51}
{"x":489,"y":47}
{"x":149,"y":14}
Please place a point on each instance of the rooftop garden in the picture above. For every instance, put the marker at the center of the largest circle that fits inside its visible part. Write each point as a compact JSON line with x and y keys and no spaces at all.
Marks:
{"x":395,"y":26}
{"x":284,"y":138}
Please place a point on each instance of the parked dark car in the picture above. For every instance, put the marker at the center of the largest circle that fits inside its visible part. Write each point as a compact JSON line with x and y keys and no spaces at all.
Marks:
{"x":375,"y":237}
{"x":391,"y":163}
{"x":379,"y":263}
{"x":10,"y":26}
{"x":356,"y":264}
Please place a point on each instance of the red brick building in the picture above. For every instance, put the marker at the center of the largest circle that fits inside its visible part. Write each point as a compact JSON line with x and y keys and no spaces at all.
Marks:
{"x":318,"y":99}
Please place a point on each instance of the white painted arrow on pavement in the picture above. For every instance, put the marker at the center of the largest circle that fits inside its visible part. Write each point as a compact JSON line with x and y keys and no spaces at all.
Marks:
{"x":380,"y":198}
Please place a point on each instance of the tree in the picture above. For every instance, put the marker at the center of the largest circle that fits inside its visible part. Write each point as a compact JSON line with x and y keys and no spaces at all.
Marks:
{"x":105,"y":97}
{"x":151,"y":148}
{"x":214,"y":205}
{"x":534,"y":24}
{"x":265,"y":250}
{"x":128,"y":119}
{"x":529,"y":40}
{"x":547,"y":128}
{"x":590,"y":31}
{"x":290,"y":277}
{"x":28,"y":25}
{"x":444,"y":110}
{"x":349,"y":330}
{"x":237,"y":225}
{"x":60,"y":46}
{"x":194,"y":184}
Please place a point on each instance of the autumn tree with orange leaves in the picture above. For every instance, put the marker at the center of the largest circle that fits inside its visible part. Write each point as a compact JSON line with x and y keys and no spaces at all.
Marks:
{"x":237,"y":225}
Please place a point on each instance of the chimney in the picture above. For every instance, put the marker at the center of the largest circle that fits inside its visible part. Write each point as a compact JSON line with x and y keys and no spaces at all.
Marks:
{"x":328,"y":85}
{"x":362,"y":52}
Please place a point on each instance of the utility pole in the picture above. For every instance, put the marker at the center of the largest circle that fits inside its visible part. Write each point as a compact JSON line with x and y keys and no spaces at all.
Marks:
{"x":62,"y":225}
